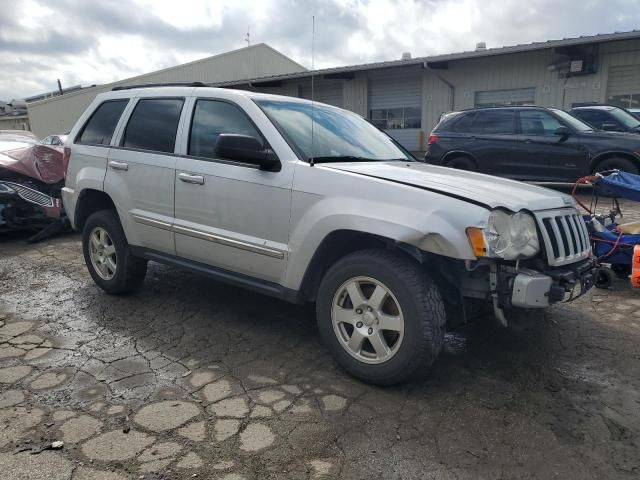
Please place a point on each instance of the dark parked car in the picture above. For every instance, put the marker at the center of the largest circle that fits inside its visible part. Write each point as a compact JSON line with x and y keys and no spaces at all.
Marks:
{"x":529,"y":143}
{"x":607,"y":117}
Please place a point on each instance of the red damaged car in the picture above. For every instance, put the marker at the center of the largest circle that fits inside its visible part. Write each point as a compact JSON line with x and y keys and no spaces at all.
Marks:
{"x":31,"y":177}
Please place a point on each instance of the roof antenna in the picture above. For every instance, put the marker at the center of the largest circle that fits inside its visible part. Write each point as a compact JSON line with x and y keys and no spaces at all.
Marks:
{"x":313,"y":41}
{"x":248,"y":37}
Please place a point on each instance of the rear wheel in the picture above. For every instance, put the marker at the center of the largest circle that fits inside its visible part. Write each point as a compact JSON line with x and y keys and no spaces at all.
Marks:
{"x":462,"y":163}
{"x":107,"y":254}
{"x":381,"y":316}
{"x":616,"y":163}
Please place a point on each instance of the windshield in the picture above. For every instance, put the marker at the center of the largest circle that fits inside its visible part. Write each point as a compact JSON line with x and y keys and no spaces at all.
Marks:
{"x":338,"y":135}
{"x":625,"y":118}
{"x":572,"y":121}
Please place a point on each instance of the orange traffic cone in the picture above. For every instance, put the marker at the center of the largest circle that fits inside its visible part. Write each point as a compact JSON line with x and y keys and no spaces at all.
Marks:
{"x":635,"y":267}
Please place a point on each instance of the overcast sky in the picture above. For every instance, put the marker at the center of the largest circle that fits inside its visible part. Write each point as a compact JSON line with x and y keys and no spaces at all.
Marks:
{"x":93,"y":41}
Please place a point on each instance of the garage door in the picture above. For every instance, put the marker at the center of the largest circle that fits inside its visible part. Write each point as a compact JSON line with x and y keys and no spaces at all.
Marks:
{"x":330,"y":93}
{"x":395,"y":104}
{"x":497,"y":98}
{"x":623,"y":87}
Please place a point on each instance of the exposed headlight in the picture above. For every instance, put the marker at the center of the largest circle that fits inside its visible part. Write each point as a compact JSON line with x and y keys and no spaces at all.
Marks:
{"x":507,"y":235}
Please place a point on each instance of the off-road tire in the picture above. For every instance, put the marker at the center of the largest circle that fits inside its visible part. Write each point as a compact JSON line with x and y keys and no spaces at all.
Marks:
{"x":419,"y":299}
{"x":130,"y":271}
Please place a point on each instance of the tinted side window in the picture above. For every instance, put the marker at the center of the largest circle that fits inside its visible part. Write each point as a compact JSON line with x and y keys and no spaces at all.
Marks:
{"x":533,"y":122}
{"x":210,"y":119}
{"x":463,"y":124}
{"x":154,"y":125}
{"x":494,"y":121}
{"x":99,"y":128}
{"x":594,"y":118}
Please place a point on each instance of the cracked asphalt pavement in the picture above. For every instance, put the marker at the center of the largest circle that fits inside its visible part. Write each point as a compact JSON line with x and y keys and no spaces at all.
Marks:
{"x":193,"y":379}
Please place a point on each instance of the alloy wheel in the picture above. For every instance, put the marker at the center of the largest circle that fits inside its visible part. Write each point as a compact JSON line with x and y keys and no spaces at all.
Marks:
{"x":367,"y":320}
{"x":102,"y":252}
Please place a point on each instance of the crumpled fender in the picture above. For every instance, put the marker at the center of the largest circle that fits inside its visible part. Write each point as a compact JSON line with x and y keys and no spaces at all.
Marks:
{"x":430,"y":229}
{"x":40,"y":162}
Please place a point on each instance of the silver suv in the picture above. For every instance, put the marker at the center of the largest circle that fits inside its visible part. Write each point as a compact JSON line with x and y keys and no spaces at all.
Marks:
{"x":310,"y":203}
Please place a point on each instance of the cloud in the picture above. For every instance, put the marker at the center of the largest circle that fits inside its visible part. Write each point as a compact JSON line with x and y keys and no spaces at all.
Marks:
{"x":103,"y":41}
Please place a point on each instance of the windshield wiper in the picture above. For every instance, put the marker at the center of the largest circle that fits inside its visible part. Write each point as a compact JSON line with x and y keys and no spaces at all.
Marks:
{"x":353,"y":158}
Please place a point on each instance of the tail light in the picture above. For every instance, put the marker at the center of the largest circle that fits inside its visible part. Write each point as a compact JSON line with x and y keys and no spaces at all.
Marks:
{"x":65,"y":160}
{"x":433,"y":138}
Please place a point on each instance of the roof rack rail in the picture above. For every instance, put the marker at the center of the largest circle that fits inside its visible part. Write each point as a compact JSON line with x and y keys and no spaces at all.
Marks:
{"x":149,"y":85}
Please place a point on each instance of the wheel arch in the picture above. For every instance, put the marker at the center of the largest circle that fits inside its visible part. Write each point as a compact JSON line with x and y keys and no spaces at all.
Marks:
{"x":90,"y":201}
{"x":458,"y":153}
{"x":341,"y":243}
{"x":599,"y":158}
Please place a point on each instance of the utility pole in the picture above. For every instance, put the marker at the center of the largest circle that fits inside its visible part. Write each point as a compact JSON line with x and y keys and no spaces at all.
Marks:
{"x":248,"y":37}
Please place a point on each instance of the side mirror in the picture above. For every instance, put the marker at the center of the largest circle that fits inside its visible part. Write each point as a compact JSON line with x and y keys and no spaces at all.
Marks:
{"x":245,"y":148}
{"x":610,"y":127}
{"x":562,"y":132}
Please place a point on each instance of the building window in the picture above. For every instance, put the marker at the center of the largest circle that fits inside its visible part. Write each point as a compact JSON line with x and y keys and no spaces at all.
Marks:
{"x":631,"y":100}
{"x":396,"y":118}
{"x":499,"y":98}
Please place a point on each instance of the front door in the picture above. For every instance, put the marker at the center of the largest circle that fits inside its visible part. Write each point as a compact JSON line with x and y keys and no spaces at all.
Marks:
{"x":548,"y":157}
{"x":229,"y":215}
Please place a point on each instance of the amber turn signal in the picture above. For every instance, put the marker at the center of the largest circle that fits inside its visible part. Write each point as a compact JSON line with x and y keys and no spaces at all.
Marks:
{"x":476,"y":239}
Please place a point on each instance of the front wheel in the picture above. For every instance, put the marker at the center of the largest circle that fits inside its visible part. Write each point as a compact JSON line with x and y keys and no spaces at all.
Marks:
{"x":616,"y":163}
{"x":107,"y":254}
{"x":381,"y":316}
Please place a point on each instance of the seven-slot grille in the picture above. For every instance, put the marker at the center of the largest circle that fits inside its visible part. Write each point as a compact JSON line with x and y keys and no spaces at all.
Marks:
{"x":31,"y":195}
{"x":565,"y":236}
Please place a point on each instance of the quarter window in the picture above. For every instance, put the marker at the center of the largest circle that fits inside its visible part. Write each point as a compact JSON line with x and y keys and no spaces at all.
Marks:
{"x":210,"y":119}
{"x":534,"y":122}
{"x":396,"y":118}
{"x":100,"y":127}
{"x":154,"y":125}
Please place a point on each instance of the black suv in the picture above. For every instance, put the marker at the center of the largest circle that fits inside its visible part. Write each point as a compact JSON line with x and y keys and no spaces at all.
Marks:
{"x":529,"y":143}
{"x":607,"y":117}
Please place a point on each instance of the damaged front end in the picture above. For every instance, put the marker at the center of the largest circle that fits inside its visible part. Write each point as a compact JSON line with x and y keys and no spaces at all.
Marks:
{"x":31,"y":179}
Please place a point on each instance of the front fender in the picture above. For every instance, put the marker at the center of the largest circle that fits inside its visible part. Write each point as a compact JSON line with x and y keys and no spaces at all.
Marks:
{"x":438,"y":228}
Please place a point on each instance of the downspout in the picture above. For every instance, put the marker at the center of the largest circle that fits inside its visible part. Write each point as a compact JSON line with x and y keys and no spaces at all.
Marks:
{"x":452,"y":89}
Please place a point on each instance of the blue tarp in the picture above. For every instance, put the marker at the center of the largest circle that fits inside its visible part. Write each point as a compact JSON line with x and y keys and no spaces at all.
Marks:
{"x":620,"y":184}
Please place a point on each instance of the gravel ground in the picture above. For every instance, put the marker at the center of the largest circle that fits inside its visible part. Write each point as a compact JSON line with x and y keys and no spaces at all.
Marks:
{"x":193,"y":379}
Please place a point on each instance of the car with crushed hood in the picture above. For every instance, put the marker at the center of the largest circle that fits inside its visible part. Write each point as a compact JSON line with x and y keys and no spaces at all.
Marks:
{"x":310,"y":203}
{"x":31,"y":180}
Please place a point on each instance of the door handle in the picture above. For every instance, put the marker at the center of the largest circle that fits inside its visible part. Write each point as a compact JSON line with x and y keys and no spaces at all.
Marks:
{"x":189,"y":178}
{"x":118,"y":165}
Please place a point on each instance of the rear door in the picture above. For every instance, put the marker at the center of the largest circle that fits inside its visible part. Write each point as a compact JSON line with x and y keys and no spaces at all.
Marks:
{"x":92,"y":143}
{"x":141,"y":170}
{"x":493,"y":141}
{"x":547,"y":156}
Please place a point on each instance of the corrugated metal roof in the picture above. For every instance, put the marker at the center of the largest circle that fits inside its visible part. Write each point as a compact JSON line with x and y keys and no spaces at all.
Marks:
{"x":527,"y":47}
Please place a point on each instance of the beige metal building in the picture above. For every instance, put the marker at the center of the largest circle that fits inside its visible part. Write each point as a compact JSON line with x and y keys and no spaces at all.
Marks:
{"x":58,"y":114}
{"x":406,"y":97}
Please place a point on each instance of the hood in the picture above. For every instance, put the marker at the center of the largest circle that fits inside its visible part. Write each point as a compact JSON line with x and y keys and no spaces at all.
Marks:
{"x":24,"y":156}
{"x":485,"y":190}
{"x":630,"y":136}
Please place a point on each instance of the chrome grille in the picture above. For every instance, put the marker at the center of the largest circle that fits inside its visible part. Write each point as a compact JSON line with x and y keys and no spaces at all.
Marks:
{"x":565,"y":236}
{"x":31,"y":195}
